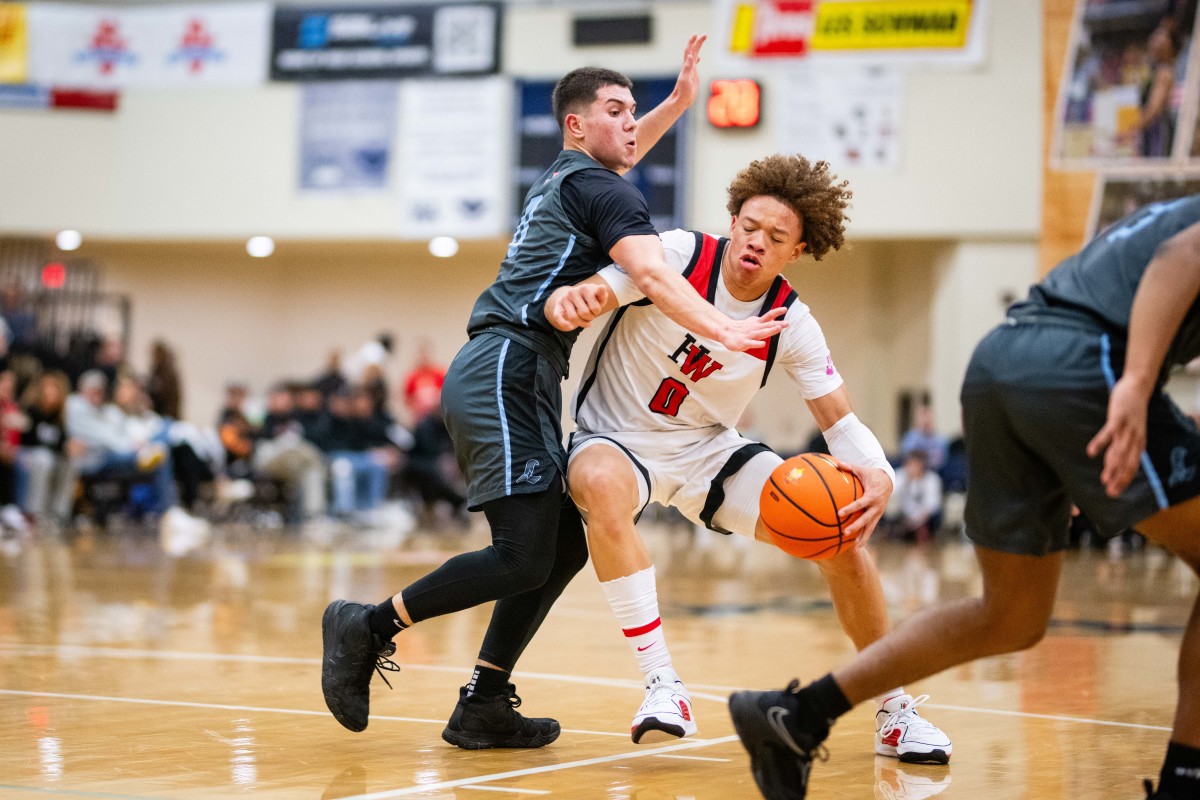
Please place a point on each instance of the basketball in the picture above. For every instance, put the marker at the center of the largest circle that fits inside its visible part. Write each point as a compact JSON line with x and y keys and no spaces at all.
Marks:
{"x":799,"y":505}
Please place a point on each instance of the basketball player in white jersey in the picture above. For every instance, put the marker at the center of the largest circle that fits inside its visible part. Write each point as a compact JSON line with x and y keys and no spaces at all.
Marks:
{"x":655,"y":414}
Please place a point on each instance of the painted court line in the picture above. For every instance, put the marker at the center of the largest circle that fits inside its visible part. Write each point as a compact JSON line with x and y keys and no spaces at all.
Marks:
{"x":259,"y":709}
{"x":506,"y":789}
{"x":695,"y":758}
{"x":178,"y":655}
{"x":520,"y":773}
{"x":181,"y":655}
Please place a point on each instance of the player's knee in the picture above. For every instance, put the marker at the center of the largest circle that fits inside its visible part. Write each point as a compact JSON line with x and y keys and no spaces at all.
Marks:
{"x":1009,"y":630}
{"x":527,"y":570}
{"x":597,"y":487}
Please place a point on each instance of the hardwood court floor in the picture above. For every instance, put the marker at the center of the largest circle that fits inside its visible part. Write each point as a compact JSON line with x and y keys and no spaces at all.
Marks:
{"x":127,"y":674}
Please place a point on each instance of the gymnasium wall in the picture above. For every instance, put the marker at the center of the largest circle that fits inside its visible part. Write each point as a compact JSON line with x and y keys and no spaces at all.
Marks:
{"x":166,"y":190}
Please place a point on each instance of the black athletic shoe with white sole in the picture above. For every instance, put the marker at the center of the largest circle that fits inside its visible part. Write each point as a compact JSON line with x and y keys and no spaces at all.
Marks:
{"x":482,"y":723}
{"x":352,"y":654}
{"x":781,"y":754}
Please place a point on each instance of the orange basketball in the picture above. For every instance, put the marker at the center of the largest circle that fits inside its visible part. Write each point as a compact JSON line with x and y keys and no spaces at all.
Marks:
{"x":799,"y":506}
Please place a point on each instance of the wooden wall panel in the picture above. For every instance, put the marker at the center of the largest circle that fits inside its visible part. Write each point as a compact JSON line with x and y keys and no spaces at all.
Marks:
{"x":1066,"y":196}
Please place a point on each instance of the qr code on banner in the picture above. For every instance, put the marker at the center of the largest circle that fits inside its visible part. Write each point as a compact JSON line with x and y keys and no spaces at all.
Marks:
{"x":464,"y":39}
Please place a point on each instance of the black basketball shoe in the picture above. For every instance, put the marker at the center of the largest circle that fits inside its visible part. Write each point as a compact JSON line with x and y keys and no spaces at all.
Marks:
{"x":781,"y":754}
{"x":352,"y":653}
{"x":1153,"y":795}
{"x":481,"y":723}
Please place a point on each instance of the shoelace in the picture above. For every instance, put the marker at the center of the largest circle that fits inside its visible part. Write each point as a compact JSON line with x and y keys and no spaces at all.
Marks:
{"x":909,"y":710}
{"x":383,"y":663}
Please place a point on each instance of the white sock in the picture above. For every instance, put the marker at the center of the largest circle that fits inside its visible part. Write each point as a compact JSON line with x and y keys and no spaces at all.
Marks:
{"x":634,"y":602}
{"x":883,"y":698}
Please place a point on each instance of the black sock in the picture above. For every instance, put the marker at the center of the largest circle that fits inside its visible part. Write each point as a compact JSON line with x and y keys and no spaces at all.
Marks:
{"x":1180,"y":776}
{"x":488,"y":682}
{"x":384,"y":621}
{"x":826,"y":702}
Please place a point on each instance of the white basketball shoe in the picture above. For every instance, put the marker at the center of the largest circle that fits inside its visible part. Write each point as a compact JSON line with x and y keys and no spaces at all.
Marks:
{"x":666,"y":713}
{"x":900,"y":732}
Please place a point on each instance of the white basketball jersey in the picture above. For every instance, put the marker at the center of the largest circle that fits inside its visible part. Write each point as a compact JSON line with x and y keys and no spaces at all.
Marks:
{"x":647,"y":373}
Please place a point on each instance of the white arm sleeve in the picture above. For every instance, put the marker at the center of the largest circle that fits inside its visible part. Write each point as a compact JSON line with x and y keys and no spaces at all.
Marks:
{"x":677,"y":247}
{"x":852,"y":442}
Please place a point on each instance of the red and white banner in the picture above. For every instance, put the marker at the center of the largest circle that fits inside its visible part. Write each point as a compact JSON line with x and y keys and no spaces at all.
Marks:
{"x":162,"y":46}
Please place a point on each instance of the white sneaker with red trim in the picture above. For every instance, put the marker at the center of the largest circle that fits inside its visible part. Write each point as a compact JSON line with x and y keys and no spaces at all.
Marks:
{"x":666,"y":713}
{"x":900,"y":732}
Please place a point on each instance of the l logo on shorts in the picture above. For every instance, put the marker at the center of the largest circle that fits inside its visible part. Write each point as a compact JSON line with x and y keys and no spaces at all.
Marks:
{"x":527,"y":476}
{"x":1180,"y":471}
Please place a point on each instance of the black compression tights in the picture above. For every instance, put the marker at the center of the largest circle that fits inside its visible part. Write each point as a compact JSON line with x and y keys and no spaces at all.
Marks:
{"x":537,"y":547}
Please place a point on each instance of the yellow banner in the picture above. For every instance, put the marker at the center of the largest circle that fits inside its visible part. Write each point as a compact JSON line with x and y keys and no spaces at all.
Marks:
{"x":14,"y":43}
{"x":892,"y":25}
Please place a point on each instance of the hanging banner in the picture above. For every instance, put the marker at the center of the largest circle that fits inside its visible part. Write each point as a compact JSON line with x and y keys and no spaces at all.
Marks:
{"x":453,"y":164}
{"x":345,"y":43}
{"x":847,"y":114}
{"x":892,"y":25}
{"x":163,"y":46}
{"x":772,"y":28}
{"x":14,"y":39}
{"x":346,"y":133}
{"x":880,"y":31}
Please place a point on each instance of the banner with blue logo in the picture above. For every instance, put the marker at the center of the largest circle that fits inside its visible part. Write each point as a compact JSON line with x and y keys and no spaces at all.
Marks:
{"x":346,"y":134}
{"x":105,"y":47}
{"x":370,"y":42}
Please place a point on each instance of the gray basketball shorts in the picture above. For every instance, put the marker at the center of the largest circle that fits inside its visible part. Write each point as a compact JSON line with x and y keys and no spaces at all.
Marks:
{"x":503,"y":407}
{"x":1036,"y":392}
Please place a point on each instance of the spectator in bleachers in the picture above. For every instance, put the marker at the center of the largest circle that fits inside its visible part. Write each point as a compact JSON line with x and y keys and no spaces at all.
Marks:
{"x":358,"y":459}
{"x":431,"y":468}
{"x":45,"y":466}
{"x":190,"y":461}
{"x":110,"y":360}
{"x":108,"y":450}
{"x":377,"y":352}
{"x":376,"y":386}
{"x":309,"y":411}
{"x":11,"y":423}
{"x":916,"y":503}
{"x":923,"y":436}
{"x":331,"y":380}
{"x":423,"y":384}
{"x":236,"y":433}
{"x":283,"y":453}
{"x":22,"y":321}
{"x":163,"y":384}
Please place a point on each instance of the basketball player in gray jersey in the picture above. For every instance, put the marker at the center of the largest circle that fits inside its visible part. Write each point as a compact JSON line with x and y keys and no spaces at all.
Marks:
{"x":1062,"y":403}
{"x":502,"y":404}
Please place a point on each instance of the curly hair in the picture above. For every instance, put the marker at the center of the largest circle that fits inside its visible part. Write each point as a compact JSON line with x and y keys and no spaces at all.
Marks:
{"x":809,"y":189}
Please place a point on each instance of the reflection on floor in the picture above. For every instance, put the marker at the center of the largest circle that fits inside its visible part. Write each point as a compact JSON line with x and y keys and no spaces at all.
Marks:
{"x":125,"y":673}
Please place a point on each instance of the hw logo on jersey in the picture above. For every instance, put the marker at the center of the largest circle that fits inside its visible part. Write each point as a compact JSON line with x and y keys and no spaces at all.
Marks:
{"x":696,"y":362}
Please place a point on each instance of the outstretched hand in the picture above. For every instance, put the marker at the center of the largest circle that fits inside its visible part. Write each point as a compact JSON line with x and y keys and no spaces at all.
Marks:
{"x":1123,"y":437}
{"x":753,"y":332}
{"x":571,"y":307}
{"x":877,"y":490}
{"x":687,"y":86}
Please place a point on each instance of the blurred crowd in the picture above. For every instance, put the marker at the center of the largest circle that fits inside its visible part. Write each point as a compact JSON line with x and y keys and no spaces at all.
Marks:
{"x":82,"y":441}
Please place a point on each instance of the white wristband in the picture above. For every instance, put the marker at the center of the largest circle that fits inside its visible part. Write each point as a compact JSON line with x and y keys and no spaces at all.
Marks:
{"x":852,"y":442}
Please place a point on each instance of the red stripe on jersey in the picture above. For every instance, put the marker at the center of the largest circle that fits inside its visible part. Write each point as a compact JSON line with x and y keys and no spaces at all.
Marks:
{"x":702,"y":272}
{"x":632,"y":632}
{"x":781,"y":294}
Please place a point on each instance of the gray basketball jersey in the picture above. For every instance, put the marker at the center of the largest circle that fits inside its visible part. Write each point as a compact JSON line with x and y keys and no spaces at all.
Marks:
{"x":547,"y":251}
{"x":1103,"y":278}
